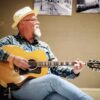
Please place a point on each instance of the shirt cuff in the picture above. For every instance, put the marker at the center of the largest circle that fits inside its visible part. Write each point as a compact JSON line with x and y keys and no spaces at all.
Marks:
{"x":75,"y":74}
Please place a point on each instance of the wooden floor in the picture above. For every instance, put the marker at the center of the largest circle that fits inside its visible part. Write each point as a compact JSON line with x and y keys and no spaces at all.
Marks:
{"x":94,"y":92}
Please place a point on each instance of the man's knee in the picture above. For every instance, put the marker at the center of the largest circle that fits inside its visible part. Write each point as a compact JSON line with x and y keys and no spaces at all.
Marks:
{"x":53,"y":77}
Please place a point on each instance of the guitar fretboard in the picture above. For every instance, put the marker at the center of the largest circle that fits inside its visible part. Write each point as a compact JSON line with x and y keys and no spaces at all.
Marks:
{"x":53,"y":63}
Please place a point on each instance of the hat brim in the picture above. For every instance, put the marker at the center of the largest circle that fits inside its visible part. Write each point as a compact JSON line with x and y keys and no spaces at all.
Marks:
{"x":14,"y":25}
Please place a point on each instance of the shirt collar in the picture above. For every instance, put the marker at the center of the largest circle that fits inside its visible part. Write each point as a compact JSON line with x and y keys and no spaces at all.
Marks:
{"x":20,"y":38}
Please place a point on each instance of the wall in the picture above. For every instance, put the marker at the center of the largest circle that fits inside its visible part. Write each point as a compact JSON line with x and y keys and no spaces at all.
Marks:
{"x":70,"y":37}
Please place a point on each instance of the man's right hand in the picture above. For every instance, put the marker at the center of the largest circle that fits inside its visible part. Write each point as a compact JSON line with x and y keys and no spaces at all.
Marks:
{"x":19,"y":62}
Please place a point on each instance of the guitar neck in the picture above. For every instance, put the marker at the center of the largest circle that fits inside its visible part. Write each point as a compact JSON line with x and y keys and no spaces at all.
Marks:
{"x":91,"y":64}
{"x":54,"y":63}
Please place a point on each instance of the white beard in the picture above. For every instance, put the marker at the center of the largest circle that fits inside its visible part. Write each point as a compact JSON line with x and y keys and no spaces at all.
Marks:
{"x":37,"y":32}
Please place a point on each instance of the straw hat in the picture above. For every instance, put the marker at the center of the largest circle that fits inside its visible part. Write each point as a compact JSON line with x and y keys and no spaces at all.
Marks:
{"x":21,"y":13}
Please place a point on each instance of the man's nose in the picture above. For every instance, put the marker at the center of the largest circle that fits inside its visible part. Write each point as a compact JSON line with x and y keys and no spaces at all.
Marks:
{"x":36,"y":23}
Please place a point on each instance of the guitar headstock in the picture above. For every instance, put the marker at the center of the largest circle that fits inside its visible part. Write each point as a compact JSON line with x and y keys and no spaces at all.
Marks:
{"x":94,"y":65}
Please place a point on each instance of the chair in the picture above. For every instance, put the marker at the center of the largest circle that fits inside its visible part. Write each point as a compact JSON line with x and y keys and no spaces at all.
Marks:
{"x":5,"y":93}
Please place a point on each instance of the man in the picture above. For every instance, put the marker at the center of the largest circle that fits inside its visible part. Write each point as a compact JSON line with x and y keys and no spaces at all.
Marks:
{"x":48,"y":87}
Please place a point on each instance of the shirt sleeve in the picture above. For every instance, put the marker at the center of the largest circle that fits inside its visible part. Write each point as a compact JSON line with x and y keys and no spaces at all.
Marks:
{"x":3,"y":54}
{"x":63,"y":71}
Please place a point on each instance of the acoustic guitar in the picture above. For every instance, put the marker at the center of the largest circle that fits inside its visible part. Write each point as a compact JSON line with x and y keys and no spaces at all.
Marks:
{"x":10,"y":73}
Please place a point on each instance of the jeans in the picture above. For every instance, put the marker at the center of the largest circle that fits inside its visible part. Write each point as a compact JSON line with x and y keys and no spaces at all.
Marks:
{"x":50,"y":87}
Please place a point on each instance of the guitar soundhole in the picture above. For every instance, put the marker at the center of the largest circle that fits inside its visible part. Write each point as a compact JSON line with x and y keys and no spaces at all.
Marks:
{"x":33,"y":69}
{"x":32,"y":63}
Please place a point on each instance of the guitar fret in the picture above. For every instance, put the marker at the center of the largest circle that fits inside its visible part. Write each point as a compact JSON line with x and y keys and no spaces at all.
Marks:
{"x":62,"y":63}
{"x":66,"y":63}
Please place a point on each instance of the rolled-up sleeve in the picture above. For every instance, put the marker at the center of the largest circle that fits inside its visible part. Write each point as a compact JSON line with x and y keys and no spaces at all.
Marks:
{"x":3,"y":54}
{"x":64,"y":71}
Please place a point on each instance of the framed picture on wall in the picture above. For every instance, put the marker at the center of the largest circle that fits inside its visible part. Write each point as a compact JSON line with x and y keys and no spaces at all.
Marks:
{"x":54,"y":7}
{"x":88,"y":6}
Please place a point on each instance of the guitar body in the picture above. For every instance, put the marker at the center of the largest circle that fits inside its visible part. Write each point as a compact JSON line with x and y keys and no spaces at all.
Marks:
{"x":8,"y":73}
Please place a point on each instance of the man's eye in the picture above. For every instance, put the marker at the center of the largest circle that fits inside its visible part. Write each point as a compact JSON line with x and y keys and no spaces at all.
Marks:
{"x":29,"y":20}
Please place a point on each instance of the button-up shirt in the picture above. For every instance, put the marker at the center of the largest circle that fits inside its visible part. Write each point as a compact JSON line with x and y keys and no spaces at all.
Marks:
{"x":63,"y":71}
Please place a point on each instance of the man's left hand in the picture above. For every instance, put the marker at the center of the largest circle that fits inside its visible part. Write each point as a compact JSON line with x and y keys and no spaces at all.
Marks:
{"x":78,"y":66}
